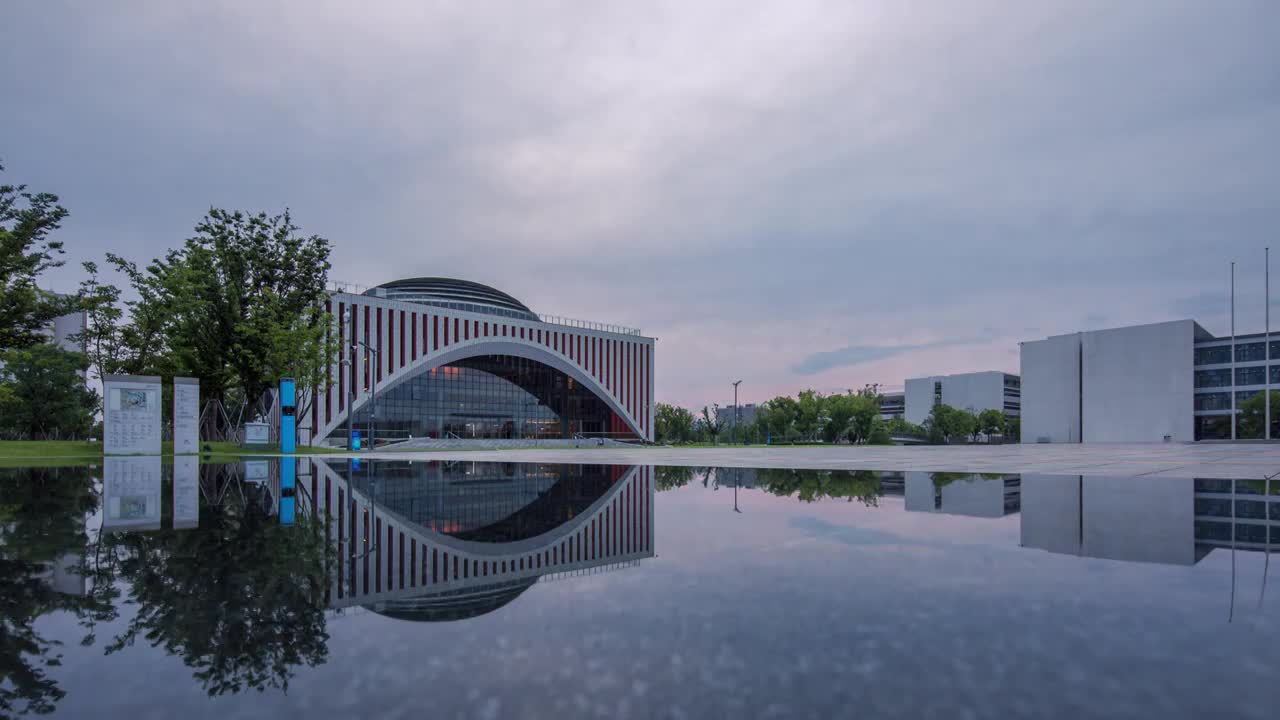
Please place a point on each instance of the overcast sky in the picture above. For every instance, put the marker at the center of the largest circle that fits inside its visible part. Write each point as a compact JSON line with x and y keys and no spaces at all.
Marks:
{"x":795,"y":194}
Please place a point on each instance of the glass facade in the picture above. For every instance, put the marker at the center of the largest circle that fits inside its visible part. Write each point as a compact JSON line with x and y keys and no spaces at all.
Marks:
{"x":1213,"y":401}
{"x":1256,"y":375}
{"x":490,"y":396}
{"x":1242,"y":511}
{"x":1214,"y":355}
{"x":486,"y":502}
{"x":1213,"y":427}
{"x":1213,"y":378}
{"x":1250,"y":352}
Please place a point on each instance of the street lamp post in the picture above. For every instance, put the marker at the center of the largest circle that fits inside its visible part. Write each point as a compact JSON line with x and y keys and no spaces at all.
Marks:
{"x":735,"y":410}
{"x":373,"y":385}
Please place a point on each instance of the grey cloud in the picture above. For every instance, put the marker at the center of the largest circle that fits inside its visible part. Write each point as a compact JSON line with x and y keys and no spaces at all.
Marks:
{"x":859,"y":354}
{"x":823,"y":170}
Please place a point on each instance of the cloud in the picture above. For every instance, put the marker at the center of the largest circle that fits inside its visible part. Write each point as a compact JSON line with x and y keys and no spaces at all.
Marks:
{"x":748,"y":184}
{"x":859,"y":354}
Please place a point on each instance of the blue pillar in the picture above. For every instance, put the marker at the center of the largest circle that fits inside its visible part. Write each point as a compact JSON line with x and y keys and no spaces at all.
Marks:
{"x":288,"y":489}
{"x":288,"y":423}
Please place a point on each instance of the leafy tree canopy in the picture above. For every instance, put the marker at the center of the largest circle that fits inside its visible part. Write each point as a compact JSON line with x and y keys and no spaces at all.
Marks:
{"x":26,"y":251}
{"x":44,"y":395}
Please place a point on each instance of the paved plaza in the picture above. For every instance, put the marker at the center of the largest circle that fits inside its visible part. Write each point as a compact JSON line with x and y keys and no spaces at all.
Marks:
{"x":1209,"y":460}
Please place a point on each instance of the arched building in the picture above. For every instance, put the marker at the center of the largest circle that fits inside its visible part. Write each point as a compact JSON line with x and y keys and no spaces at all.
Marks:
{"x":459,"y":360}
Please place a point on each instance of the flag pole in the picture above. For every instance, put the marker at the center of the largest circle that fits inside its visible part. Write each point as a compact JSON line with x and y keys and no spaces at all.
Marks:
{"x":1267,"y":299}
{"x":1233,"y":350}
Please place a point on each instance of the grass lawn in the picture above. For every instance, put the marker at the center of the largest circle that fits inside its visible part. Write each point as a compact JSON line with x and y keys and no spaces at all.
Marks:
{"x":72,"y":452}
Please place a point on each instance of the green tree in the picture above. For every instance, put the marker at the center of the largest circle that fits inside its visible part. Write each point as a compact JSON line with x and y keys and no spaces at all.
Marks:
{"x":809,"y":417}
{"x":838,"y":412}
{"x":672,"y":424}
{"x":102,"y":337}
{"x":778,"y":417}
{"x":240,"y":305}
{"x":26,"y":252}
{"x":991,"y":422}
{"x":899,"y":426}
{"x":866,"y":410}
{"x":45,"y":395}
{"x":946,"y":424}
{"x":879,"y":433}
{"x":711,"y":422}
{"x":1252,"y":422}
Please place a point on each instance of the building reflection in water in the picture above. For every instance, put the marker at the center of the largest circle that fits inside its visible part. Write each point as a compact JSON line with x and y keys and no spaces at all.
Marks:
{"x":1141,"y":519}
{"x":432,"y":541}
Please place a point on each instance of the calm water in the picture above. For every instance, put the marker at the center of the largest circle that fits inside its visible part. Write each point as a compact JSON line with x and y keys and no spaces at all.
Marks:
{"x":398,"y":589}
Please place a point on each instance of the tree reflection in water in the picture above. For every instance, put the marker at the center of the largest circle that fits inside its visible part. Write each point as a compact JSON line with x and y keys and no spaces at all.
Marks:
{"x":813,"y":485}
{"x":42,"y":531}
{"x":241,"y":598}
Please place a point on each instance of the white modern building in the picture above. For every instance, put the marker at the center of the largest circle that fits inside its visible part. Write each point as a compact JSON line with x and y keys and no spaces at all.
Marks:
{"x":1171,"y":381}
{"x":441,"y":358}
{"x":892,"y":404}
{"x":975,"y":392}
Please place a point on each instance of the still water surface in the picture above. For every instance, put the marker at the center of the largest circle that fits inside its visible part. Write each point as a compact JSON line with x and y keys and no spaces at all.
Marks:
{"x":397,"y":589}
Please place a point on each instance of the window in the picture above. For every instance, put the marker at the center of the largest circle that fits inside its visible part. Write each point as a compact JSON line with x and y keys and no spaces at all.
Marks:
{"x":1251,"y":375}
{"x":1213,"y":401}
{"x":1213,"y":378}
{"x":488,"y":397}
{"x":1248,"y":352}
{"x":1214,"y":355}
{"x":1242,"y":395}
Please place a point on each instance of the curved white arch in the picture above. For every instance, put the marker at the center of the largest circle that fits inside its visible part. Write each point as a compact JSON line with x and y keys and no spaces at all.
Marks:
{"x":503,"y":346}
{"x":476,"y":549}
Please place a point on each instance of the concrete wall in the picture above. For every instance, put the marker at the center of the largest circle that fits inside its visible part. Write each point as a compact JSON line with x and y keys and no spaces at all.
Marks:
{"x":1139,"y":519}
{"x":1050,"y":513}
{"x":976,"y":391}
{"x":919,"y":399}
{"x":1051,"y":389}
{"x":975,"y":497}
{"x":66,"y":327}
{"x":1132,"y":519}
{"x":1138,"y":383}
{"x":917,"y":491}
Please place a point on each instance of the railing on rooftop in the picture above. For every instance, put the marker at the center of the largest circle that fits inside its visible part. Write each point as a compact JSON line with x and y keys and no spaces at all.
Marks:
{"x":357,"y":289}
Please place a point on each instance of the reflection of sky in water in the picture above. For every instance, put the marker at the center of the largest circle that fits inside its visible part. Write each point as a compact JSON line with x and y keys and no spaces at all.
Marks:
{"x":789,"y":609}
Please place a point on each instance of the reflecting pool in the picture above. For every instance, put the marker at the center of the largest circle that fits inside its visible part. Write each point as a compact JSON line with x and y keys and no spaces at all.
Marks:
{"x":140,"y":588}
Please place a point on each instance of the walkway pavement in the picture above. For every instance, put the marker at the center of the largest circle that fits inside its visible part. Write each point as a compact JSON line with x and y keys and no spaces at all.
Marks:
{"x":1209,"y":460}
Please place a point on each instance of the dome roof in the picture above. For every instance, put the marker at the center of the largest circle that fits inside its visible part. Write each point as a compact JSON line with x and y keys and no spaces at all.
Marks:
{"x":454,"y":605}
{"x":457,"y":294}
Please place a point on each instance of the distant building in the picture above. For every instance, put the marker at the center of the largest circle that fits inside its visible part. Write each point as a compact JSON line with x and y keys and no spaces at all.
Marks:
{"x":65,"y":329}
{"x":1170,"y":381}
{"x":975,"y":392}
{"x":892,"y":404}
{"x":746,"y":414}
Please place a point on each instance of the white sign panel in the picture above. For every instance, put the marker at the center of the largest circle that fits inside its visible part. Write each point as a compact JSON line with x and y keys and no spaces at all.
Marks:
{"x":186,"y":416}
{"x":131,"y":493}
{"x":258,"y":471}
{"x":257,"y":434}
{"x":131,"y":415}
{"x":186,"y":492}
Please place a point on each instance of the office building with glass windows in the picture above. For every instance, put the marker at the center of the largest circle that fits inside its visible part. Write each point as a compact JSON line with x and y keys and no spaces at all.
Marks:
{"x":439,"y":358}
{"x":975,"y":392}
{"x":1171,"y":381}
